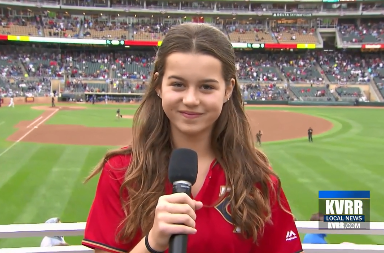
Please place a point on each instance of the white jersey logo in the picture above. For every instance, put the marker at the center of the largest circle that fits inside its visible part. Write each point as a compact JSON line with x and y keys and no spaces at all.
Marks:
{"x":290,"y":236}
{"x":224,"y":190}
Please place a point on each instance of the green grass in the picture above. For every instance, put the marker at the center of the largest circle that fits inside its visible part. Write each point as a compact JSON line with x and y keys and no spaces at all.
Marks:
{"x":92,"y":118}
{"x":40,"y":181}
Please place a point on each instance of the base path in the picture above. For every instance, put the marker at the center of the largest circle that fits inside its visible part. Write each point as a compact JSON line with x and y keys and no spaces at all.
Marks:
{"x":275,"y":125}
{"x":27,"y":127}
{"x":284,"y":125}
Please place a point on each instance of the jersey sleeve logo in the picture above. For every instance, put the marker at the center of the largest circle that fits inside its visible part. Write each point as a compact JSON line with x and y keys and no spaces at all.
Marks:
{"x":224,"y":208}
{"x":290,"y":236}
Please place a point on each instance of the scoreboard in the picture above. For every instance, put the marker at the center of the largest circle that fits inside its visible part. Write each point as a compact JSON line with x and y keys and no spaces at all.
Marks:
{"x":115,"y":42}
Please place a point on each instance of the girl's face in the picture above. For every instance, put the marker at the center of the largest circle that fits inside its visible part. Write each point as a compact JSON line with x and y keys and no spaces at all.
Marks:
{"x":193,"y":92}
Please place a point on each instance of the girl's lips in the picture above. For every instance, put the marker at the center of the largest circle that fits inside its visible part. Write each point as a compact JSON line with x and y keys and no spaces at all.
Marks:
{"x":190,"y":115}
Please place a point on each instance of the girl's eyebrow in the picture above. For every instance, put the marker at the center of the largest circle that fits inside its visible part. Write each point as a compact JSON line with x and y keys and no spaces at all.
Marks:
{"x":203,"y":81}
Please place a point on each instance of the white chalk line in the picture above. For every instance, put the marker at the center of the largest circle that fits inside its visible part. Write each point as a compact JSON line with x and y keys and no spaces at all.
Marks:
{"x":35,"y":121}
{"x":25,"y":135}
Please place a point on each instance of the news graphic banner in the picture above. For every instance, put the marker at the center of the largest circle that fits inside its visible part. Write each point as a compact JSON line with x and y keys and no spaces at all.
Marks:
{"x":129,"y":43}
{"x":345,"y":210}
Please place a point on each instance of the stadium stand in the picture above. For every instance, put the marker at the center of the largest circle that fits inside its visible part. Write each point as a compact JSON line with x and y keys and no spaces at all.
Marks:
{"x":41,"y":63}
{"x":257,"y":67}
{"x":9,"y":64}
{"x":342,"y":67}
{"x":379,"y":80}
{"x":299,"y":68}
{"x":127,"y":71}
{"x":249,"y":33}
{"x":320,"y":93}
{"x":150,"y":31}
{"x":88,"y":65}
{"x":103,"y":70}
{"x":349,"y":93}
{"x":264,"y":92}
{"x":21,"y":26}
{"x":295,"y":35}
{"x":369,"y":32}
{"x":61,"y":27}
{"x":376,"y":68}
{"x":133,"y":65}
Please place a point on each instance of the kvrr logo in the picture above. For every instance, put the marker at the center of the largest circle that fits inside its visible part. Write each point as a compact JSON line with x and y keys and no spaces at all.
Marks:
{"x":344,"y":207}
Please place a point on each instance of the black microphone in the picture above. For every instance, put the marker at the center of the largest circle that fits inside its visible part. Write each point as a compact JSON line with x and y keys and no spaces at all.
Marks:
{"x":182,"y":173}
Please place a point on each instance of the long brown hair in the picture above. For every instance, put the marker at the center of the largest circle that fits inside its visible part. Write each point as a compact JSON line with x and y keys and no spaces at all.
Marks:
{"x":232,"y":141}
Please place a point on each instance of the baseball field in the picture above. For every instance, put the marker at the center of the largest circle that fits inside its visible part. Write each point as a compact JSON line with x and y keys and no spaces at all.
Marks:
{"x":45,"y":154}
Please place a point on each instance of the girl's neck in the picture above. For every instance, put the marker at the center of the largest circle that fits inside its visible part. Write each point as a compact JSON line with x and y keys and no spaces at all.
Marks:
{"x":200,"y":143}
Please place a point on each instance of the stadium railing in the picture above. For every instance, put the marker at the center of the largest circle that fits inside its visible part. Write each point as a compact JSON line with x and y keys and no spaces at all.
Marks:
{"x":77,"y":229}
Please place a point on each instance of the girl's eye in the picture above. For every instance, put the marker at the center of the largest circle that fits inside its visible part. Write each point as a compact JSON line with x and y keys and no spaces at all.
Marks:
{"x":177,"y":85}
{"x":207,"y":87}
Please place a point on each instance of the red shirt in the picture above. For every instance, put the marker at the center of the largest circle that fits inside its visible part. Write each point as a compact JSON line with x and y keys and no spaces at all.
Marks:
{"x":215,"y":232}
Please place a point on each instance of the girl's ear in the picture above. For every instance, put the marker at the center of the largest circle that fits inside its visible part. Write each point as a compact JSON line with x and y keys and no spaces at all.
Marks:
{"x":155,"y":76}
{"x":158,"y":89}
{"x":229,"y":90}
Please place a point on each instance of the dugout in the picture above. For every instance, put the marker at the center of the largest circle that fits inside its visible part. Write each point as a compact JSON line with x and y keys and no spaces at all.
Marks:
{"x":113,"y":97}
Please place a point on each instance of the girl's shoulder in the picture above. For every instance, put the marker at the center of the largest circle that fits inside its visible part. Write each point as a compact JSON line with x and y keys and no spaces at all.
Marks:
{"x":117,"y":164}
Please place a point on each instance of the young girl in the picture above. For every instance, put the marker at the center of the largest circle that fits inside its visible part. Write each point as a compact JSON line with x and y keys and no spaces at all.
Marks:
{"x":193,"y":101}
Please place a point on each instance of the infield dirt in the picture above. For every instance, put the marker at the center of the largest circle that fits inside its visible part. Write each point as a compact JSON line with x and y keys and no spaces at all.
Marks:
{"x":275,"y":125}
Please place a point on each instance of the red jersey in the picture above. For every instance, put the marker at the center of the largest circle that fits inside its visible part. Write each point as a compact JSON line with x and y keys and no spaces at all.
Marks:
{"x":215,"y":230}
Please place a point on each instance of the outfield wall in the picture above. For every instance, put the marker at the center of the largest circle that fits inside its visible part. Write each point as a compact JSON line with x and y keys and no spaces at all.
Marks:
{"x":26,"y":100}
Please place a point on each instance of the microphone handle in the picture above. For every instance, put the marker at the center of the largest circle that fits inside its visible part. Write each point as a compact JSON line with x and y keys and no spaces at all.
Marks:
{"x":178,"y":243}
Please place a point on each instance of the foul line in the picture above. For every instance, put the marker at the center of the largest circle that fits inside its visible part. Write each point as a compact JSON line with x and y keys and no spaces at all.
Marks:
{"x":34,"y":121}
{"x":25,"y":135}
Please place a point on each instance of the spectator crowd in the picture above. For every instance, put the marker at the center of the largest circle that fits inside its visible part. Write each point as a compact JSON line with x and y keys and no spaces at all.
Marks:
{"x":262,"y":76}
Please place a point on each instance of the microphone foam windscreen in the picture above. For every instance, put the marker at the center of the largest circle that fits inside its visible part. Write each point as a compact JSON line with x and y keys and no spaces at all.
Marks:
{"x":183,"y":166}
